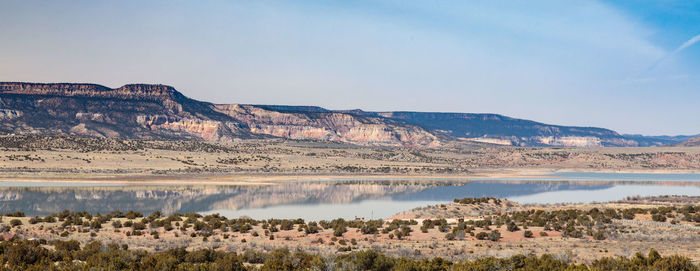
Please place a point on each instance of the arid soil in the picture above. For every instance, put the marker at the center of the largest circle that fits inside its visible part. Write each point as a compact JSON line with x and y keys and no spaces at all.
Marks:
{"x":622,"y":237}
{"x":60,"y":158}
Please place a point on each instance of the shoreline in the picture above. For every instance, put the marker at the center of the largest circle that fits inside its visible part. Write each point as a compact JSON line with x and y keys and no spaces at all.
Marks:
{"x":495,"y":174}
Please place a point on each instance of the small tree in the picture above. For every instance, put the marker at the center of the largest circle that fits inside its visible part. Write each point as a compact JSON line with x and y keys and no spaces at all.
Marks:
{"x":658,"y":218}
{"x":15,"y":222}
{"x":339,"y":230}
{"x":513,"y":227}
{"x":494,"y":235}
{"x":599,"y":235}
{"x":116,"y":224}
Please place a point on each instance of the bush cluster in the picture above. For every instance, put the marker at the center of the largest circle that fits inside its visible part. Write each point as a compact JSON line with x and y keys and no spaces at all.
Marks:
{"x":69,"y":255}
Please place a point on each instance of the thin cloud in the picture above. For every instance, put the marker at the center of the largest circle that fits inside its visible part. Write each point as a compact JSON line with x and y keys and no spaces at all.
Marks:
{"x":687,"y":44}
{"x":683,"y":46}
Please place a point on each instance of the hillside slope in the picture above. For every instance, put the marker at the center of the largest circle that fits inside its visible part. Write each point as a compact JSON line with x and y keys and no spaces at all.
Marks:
{"x":692,"y":142}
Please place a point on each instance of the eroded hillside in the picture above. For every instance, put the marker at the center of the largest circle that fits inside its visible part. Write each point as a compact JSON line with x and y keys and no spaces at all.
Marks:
{"x":142,"y":111}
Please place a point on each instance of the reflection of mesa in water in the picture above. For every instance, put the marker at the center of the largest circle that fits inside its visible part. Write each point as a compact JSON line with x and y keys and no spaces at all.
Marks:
{"x":189,"y":198}
{"x":169,"y":199}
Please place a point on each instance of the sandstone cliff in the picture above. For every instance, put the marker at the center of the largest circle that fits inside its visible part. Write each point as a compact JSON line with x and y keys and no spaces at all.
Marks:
{"x":132,"y":111}
{"x":332,"y":126}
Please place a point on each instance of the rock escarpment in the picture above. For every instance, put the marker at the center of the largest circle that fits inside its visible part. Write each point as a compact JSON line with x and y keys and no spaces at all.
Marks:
{"x":502,"y":130}
{"x":145,"y":111}
{"x":333,"y":126}
{"x":132,"y":111}
{"x":160,"y":112}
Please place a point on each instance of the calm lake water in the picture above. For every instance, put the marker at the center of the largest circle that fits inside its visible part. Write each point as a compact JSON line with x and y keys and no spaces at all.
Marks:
{"x":333,"y":199}
{"x":613,"y":176}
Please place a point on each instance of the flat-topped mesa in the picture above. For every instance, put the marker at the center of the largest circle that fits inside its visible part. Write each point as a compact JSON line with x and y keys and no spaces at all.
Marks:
{"x":132,"y":91}
{"x":159,"y":111}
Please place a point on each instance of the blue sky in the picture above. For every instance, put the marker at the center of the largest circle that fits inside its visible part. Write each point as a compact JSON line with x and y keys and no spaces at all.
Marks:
{"x":612,"y":64}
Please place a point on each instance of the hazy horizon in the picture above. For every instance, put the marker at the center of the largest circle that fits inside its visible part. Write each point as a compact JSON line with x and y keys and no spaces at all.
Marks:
{"x":628,"y":67}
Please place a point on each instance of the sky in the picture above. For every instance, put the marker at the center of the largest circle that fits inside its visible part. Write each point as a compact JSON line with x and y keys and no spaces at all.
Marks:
{"x":630,"y":66}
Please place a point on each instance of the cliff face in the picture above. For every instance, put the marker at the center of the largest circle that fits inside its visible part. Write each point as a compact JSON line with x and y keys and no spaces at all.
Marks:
{"x":209,"y":130}
{"x":332,"y":126}
{"x":502,"y":130}
{"x":134,"y":91}
{"x":160,"y":112}
{"x":132,"y":111}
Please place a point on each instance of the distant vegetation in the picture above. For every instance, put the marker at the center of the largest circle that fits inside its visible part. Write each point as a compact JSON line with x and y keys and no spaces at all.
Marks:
{"x":573,"y":223}
{"x":91,"y":144}
{"x":477,"y":200}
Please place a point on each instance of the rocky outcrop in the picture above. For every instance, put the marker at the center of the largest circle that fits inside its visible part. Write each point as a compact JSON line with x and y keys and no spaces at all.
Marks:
{"x":570,"y":141}
{"x":7,"y":114}
{"x":205,"y":129}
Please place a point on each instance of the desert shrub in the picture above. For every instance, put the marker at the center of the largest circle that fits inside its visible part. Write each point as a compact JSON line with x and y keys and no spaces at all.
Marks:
{"x":339,"y":230}
{"x":138,"y":226}
{"x":49,"y":219}
{"x":311,"y":228}
{"x":15,"y":214}
{"x":512,"y":226}
{"x":34,"y":220}
{"x":371,"y":227}
{"x":494,"y":235}
{"x":477,"y":200}
{"x":599,"y":235}
{"x":68,"y":255}
{"x":133,"y":215}
{"x":658,"y":218}
{"x":286,"y":225}
{"x":71,"y":245}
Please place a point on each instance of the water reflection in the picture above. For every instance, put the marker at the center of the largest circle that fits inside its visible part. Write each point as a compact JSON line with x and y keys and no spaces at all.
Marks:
{"x":315,"y":200}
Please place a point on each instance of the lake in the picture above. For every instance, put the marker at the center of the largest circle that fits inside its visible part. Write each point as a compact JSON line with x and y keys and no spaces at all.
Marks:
{"x":316,"y":200}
